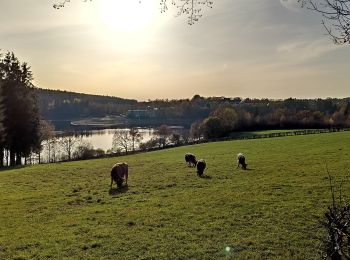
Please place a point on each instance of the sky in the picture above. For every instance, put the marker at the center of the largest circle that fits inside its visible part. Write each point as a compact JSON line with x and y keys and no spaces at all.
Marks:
{"x":239,"y":48}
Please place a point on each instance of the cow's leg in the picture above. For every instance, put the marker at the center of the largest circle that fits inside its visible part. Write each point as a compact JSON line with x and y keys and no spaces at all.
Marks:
{"x":111,"y":181}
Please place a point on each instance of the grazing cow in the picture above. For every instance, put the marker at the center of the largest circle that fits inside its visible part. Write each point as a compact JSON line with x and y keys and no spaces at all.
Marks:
{"x":190,"y":159}
{"x":200,"y":167}
{"x":241,"y":161}
{"x":119,"y":173}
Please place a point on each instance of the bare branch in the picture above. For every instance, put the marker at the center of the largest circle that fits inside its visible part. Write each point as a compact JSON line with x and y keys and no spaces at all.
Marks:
{"x":191,"y":8}
{"x":336,"y":17}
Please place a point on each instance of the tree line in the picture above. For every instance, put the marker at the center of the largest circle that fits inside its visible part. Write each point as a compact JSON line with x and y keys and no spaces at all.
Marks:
{"x":266,"y":114}
{"x":66,"y":105}
{"x":256,"y":113}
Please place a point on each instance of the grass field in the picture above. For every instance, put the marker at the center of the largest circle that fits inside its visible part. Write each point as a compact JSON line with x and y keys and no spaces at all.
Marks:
{"x":248,"y":134}
{"x":272,"y":210}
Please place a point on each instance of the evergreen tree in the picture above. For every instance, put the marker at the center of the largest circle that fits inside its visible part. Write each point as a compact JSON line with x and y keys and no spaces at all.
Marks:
{"x":2,"y":129}
{"x":20,"y":108}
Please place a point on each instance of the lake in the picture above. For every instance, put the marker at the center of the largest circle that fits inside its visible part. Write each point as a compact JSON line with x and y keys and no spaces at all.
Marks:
{"x":103,"y":138}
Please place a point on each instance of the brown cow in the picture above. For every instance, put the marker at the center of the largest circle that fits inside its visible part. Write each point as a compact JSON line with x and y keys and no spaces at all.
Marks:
{"x":119,"y":173}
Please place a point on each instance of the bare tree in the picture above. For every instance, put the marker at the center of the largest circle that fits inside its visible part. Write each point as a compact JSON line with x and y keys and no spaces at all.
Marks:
{"x":336,"y":244}
{"x":163,"y":132}
{"x":50,"y":146}
{"x":196,"y":131}
{"x":68,"y":143}
{"x":122,"y":138}
{"x":52,"y":149}
{"x":191,"y":8}
{"x":84,"y":150}
{"x":45,"y":134}
{"x":336,"y":17}
{"x":175,"y":138}
{"x":136,"y":137}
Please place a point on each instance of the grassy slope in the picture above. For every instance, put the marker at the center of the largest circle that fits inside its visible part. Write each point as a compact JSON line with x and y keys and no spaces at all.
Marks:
{"x":271,"y":211}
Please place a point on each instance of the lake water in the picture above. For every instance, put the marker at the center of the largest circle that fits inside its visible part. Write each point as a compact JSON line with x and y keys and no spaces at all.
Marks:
{"x":103,"y":138}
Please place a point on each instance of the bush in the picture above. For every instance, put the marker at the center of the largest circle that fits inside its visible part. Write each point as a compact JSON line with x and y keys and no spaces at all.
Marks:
{"x":213,"y":128}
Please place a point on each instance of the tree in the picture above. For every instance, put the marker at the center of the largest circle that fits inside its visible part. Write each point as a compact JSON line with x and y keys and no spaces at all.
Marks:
{"x":191,"y":8}
{"x":2,"y":117}
{"x":20,"y":108}
{"x":68,"y":144}
{"x":45,"y":135}
{"x":52,"y":149}
{"x":85,"y":150}
{"x":229,"y":117}
{"x":212,"y":127}
{"x":136,"y":137}
{"x":196,"y":131}
{"x":175,"y":138}
{"x":336,"y":17}
{"x":2,"y":129}
{"x":153,"y":142}
{"x":163,"y":132}
{"x":122,"y":138}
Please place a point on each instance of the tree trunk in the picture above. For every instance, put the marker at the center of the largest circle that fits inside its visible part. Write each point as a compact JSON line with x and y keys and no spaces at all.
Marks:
{"x":18,"y":159}
{"x":12,"y":158}
{"x":7,"y":157}
{"x":1,"y":157}
{"x":49,"y":152}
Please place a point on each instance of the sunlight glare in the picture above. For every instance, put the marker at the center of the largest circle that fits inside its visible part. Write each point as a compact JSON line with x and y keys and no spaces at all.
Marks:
{"x":127,"y":15}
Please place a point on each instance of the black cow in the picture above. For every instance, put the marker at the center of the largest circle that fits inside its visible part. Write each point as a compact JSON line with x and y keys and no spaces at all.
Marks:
{"x":190,"y":159}
{"x":241,"y":161}
{"x":200,"y":167}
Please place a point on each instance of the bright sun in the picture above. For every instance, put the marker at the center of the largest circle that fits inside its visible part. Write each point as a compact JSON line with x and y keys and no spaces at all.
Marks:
{"x":127,"y":15}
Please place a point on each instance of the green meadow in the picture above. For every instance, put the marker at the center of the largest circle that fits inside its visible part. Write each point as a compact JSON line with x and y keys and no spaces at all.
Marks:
{"x":271,"y":211}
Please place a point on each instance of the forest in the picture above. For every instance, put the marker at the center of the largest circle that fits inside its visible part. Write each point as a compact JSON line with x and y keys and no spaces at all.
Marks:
{"x":235,"y":113}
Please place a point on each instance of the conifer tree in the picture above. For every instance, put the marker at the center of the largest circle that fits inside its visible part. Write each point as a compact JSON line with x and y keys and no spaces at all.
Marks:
{"x":21,"y":113}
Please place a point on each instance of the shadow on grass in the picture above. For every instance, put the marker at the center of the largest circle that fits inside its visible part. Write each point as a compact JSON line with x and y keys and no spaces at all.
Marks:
{"x":248,"y":169}
{"x":116,"y":191}
{"x":205,"y":177}
{"x":9,"y":168}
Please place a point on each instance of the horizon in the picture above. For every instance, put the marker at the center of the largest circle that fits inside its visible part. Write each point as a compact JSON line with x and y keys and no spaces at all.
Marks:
{"x":262,"y":49}
{"x":189,"y":98}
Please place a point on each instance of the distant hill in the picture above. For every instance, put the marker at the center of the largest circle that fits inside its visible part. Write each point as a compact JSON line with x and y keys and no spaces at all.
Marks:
{"x":63,"y":107}
{"x":66,"y":105}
